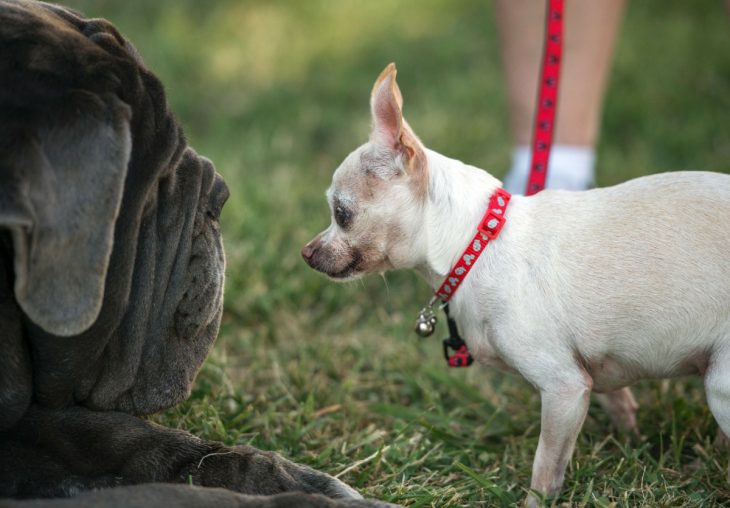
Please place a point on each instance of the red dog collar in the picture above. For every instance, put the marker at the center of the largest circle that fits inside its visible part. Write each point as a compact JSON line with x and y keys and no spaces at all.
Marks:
{"x":487,"y":230}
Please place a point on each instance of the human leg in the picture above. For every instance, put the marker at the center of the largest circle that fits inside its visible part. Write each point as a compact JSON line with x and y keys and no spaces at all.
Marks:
{"x":590,"y":33}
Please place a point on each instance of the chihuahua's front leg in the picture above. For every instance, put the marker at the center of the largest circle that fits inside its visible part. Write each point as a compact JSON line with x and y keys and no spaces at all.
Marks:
{"x":564,"y":406}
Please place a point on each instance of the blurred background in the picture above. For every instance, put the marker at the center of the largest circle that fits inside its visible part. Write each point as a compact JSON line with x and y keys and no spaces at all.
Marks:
{"x":276,"y":93}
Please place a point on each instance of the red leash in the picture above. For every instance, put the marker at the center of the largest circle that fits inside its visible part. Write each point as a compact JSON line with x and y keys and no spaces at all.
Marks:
{"x":494,"y":218}
{"x":547,"y":100}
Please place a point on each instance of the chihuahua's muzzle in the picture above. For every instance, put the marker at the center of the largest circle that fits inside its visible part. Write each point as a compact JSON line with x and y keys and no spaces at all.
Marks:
{"x":336,"y":261}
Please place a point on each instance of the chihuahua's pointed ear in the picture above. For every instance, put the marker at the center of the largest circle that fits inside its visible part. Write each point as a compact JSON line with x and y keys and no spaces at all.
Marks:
{"x":62,"y":173}
{"x":386,"y":103}
{"x":389,"y":126}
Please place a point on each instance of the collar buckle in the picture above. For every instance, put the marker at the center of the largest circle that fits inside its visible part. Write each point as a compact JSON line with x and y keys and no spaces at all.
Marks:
{"x":493,"y":220}
{"x":461,"y":358}
{"x":491,"y":225}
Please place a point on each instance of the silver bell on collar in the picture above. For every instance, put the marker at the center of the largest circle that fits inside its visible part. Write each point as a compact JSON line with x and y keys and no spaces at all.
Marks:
{"x":426,"y":322}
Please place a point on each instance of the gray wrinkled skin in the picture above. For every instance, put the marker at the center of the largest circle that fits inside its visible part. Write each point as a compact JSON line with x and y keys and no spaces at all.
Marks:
{"x":177,"y":295}
{"x":186,"y":496}
{"x":111,"y":283}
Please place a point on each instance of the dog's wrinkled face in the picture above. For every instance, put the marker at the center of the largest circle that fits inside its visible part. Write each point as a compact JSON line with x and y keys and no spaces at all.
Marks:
{"x":376,"y":196}
{"x":109,"y":241}
{"x":177,"y":287}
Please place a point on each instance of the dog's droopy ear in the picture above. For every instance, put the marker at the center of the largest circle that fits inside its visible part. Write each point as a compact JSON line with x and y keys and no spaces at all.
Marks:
{"x":62,"y":173}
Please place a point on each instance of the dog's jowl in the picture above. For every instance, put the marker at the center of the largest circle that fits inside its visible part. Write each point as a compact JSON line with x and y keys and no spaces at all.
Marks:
{"x":580,"y":292}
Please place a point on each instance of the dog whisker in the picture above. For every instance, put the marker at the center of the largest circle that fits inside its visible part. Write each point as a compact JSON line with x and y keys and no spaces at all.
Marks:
{"x":385,"y":281}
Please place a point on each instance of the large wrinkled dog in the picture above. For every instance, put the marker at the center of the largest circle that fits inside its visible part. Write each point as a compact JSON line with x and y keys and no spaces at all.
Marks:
{"x":580,"y":292}
{"x":111,"y":276}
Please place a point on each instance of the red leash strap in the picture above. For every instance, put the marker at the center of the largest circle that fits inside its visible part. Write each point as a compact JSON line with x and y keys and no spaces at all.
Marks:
{"x":547,"y":100}
{"x":493,"y":219}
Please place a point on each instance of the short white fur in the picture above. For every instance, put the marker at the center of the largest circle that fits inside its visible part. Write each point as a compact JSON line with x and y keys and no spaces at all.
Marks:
{"x":582,"y":291}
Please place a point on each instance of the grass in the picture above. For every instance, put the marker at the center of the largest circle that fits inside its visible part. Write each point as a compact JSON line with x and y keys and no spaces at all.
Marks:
{"x":276,"y":93}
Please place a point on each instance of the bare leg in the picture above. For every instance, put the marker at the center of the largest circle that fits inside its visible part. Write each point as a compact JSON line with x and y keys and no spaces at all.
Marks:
{"x":621,"y":408}
{"x":590,"y":32}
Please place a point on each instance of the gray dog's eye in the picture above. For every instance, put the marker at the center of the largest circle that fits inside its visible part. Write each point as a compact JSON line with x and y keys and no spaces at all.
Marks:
{"x":343,"y":217}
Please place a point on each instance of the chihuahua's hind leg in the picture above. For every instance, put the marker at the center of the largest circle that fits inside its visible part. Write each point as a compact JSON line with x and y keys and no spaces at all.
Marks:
{"x":721,"y":442}
{"x":621,"y":407}
{"x":717,"y":390}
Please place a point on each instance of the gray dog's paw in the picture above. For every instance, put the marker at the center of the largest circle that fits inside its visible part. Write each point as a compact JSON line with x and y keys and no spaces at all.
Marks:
{"x":324,"y":483}
{"x":247,"y":469}
{"x":317,"y":501}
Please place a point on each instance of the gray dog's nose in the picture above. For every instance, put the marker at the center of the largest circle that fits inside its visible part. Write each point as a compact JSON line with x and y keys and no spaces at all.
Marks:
{"x":218,"y":195}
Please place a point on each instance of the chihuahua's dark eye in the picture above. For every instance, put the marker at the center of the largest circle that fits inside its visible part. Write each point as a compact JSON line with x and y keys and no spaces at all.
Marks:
{"x":343,"y":217}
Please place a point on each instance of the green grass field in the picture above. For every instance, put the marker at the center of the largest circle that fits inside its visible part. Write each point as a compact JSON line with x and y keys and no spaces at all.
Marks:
{"x":276,"y":93}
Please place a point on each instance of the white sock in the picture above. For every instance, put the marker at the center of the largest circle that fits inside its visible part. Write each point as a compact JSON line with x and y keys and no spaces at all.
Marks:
{"x":571,"y":167}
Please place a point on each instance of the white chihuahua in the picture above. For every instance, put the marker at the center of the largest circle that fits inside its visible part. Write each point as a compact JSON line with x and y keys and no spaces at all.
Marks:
{"x":580,"y":292}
